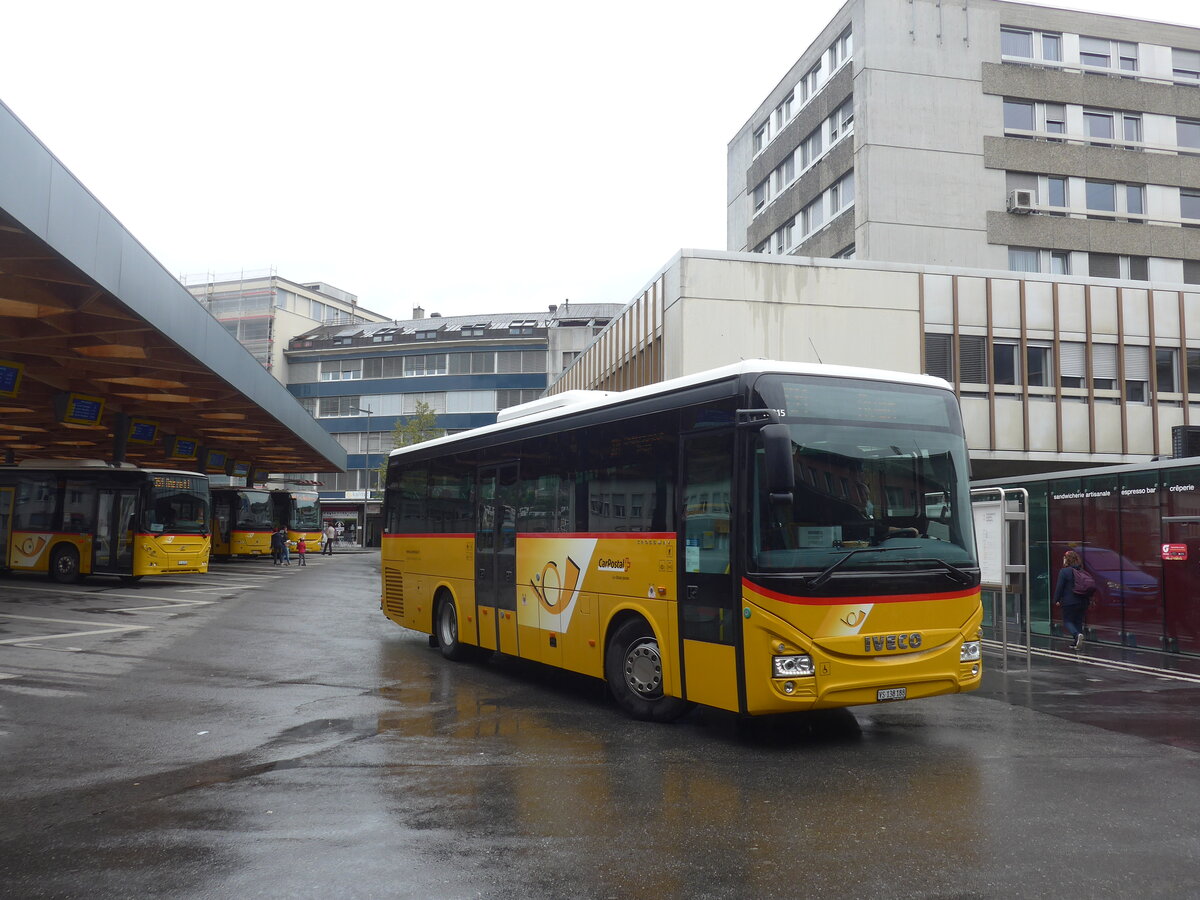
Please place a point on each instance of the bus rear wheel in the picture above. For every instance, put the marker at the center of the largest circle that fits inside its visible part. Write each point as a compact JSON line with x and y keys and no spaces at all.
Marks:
{"x":64,"y":565}
{"x":633,"y":668}
{"x":447,"y":630}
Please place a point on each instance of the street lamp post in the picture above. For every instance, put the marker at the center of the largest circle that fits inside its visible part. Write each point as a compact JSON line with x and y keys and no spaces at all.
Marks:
{"x":367,"y":456}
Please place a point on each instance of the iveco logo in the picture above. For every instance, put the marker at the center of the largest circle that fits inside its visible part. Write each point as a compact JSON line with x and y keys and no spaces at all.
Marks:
{"x":880,"y":642}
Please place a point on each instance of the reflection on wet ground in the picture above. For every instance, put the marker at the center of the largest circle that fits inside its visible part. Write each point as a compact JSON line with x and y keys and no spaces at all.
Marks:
{"x":295,"y":744}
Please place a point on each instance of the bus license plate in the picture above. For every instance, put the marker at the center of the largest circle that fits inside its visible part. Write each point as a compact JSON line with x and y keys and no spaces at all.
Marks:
{"x":183,"y":562}
{"x":891,"y":694}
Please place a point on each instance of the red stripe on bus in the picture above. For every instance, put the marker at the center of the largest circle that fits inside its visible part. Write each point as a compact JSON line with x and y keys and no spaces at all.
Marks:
{"x":465,"y":534}
{"x":842,"y":601}
{"x":604,"y":535}
{"x":526,"y":535}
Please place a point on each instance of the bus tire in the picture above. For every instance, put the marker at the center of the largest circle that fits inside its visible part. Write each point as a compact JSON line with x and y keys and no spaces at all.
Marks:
{"x":446,"y":622}
{"x":633,"y":669}
{"x":64,"y":564}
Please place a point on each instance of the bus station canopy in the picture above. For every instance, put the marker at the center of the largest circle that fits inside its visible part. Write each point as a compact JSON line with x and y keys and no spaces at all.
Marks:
{"x":87,"y":314}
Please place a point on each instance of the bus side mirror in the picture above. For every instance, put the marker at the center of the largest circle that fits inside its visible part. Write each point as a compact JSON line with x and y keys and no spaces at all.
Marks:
{"x":781,"y":475}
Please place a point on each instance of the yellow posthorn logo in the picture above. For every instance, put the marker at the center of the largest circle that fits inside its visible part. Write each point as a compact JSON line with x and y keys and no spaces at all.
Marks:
{"x":563,"y":591}
{"x":854,"y":619}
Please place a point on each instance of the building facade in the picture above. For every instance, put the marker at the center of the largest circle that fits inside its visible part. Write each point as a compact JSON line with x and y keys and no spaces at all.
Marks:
{"x":360,"y":380}
{"x":1052,"y":371}
{"x":987,"y":134}
{"x":264,"y":312}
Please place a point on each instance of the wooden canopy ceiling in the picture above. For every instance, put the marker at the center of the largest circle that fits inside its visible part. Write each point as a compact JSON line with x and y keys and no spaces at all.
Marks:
{"x":73,"y":336}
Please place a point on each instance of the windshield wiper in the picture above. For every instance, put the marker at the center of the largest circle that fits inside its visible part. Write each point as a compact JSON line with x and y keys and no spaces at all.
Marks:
{"x":953,"y":571}
{"x":825,"y":574}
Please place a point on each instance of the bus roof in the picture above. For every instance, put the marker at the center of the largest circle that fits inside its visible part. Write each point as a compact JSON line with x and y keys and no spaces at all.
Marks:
{"x":546,"y":409}
{"x":94,"y":465}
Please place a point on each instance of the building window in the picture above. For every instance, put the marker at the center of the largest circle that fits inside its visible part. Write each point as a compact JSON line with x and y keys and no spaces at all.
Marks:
{"x":1135,"y":203}
{"x":783,"y":112}
{"x":1186,"y":64}
{"x":761,"y":192}
{"x":1104,"y":367}
{"x":1072,"y":364}
{"x":1018,"y":116}
{"x":1039,"y":365}
{"x":1187,"y":133}
{"x":1189,"y":206}
{"x":1098,"y":125}
{"x":972,"y":359}
{"x":1095,"y":52}
{"x":845,"y":253}
{"x":1132,"y":131}
{"x":1104,"y":265}
{"x":1101,"y":195}
{"x":1060,"y":262}
{"x":1191,"y":271}
{"x":760,"y":139}
{"x":1052,"y":47}
{"x":1164,"y":370}
{"x":1127,"y":54}
{"x":1137,"y":373}
{"x":1193,"y":371}
{"x":1004,"y":362}
{"x":1023,"y":259}
{"x":1056,"y":193}
{"x":1014,"y":42}
{"x":1056,"y":119}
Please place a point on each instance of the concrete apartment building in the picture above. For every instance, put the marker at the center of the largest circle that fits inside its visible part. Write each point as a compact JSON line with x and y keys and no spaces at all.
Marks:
{"x":981,"y":134}
{"x":1003,"y":195}
{"x":359,"y":379}
{"x":264,"y":312}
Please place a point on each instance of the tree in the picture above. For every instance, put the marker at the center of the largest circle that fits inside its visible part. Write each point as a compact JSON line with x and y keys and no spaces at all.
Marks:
{"x":419,"y":427}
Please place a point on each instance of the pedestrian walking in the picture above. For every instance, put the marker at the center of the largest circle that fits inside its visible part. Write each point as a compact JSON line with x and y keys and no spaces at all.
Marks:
{"x":284,"y":546}
{"x":1073,"y":593}
{"x":301,"y":549}
{"x":277,"y":539}
{"x":327,"y":544}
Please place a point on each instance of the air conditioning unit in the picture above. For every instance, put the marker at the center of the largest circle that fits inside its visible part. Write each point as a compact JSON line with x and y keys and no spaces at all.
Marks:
{"x":1020,"y":202}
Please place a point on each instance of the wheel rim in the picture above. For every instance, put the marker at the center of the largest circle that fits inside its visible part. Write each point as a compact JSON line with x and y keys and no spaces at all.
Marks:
{"x":448,"y":622}
{"x":64,"y":564}
{"x":643,"y":668}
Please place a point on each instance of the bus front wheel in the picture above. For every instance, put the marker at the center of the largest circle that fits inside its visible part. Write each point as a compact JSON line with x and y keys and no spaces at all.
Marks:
{"x":447,"y":630}
{"x":633,"y":668}
{"x":64,"y":565}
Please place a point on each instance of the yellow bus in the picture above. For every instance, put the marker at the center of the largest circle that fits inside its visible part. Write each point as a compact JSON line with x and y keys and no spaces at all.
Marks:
{"x":762,"y":538}
{"x":244,"y":518}
{"x":73,"y":518}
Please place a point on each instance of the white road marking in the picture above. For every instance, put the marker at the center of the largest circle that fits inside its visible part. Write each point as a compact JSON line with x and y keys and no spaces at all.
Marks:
{"x":165,"y":603}
{"x":108,"y":629}
{"x":1074,"y":656}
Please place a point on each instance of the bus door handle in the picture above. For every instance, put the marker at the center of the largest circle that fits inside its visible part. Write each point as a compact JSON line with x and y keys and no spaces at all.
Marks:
{"x":482,"y":573}
{"x":693,"y":591}
{"x":508,"y":575}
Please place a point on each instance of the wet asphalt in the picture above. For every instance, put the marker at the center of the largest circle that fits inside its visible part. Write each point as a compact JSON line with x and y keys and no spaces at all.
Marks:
{"x":265,"y":732}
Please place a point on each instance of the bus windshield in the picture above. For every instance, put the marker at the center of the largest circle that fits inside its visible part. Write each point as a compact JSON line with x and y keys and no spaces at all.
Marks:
{"x":877,"y":467}
{"x":178,"y":505}
{"x":307,"y":514}
{"x":254,"y":511}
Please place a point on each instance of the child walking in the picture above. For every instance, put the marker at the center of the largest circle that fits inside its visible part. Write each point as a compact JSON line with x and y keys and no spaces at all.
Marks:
{"x":301,"y":549}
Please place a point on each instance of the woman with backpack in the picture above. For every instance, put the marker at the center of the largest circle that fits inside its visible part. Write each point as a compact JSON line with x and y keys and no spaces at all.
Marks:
{"x":1073,"y":593}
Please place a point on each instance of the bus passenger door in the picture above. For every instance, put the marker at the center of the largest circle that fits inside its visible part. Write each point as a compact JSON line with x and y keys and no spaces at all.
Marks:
{"x":6,"y":508}
{"x":112,"y":550}
{"x":496,"y":556}
{"x":708,"y":620}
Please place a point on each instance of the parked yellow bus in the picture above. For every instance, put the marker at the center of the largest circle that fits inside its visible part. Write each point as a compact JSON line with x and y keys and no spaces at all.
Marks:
{"x":244,"y":519}
{"x":762,"y":538}
{"x":73,"y":518}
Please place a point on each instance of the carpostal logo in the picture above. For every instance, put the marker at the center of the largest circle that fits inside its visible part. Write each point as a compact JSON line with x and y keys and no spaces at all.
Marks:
{"x":614,"y":565}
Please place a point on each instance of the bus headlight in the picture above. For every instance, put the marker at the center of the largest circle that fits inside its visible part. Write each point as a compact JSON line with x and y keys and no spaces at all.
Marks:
{"x":971,"y":651}
{"x":792,"y":666}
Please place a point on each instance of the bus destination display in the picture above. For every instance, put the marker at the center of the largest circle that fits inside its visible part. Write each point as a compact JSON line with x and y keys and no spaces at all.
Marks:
{"x":10,"y":378}
{"x":864,"y":402}
{"x":82,"y":409}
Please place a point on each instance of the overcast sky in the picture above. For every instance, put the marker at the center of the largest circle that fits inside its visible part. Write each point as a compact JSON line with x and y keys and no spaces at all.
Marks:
{"x":464,"y":157}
